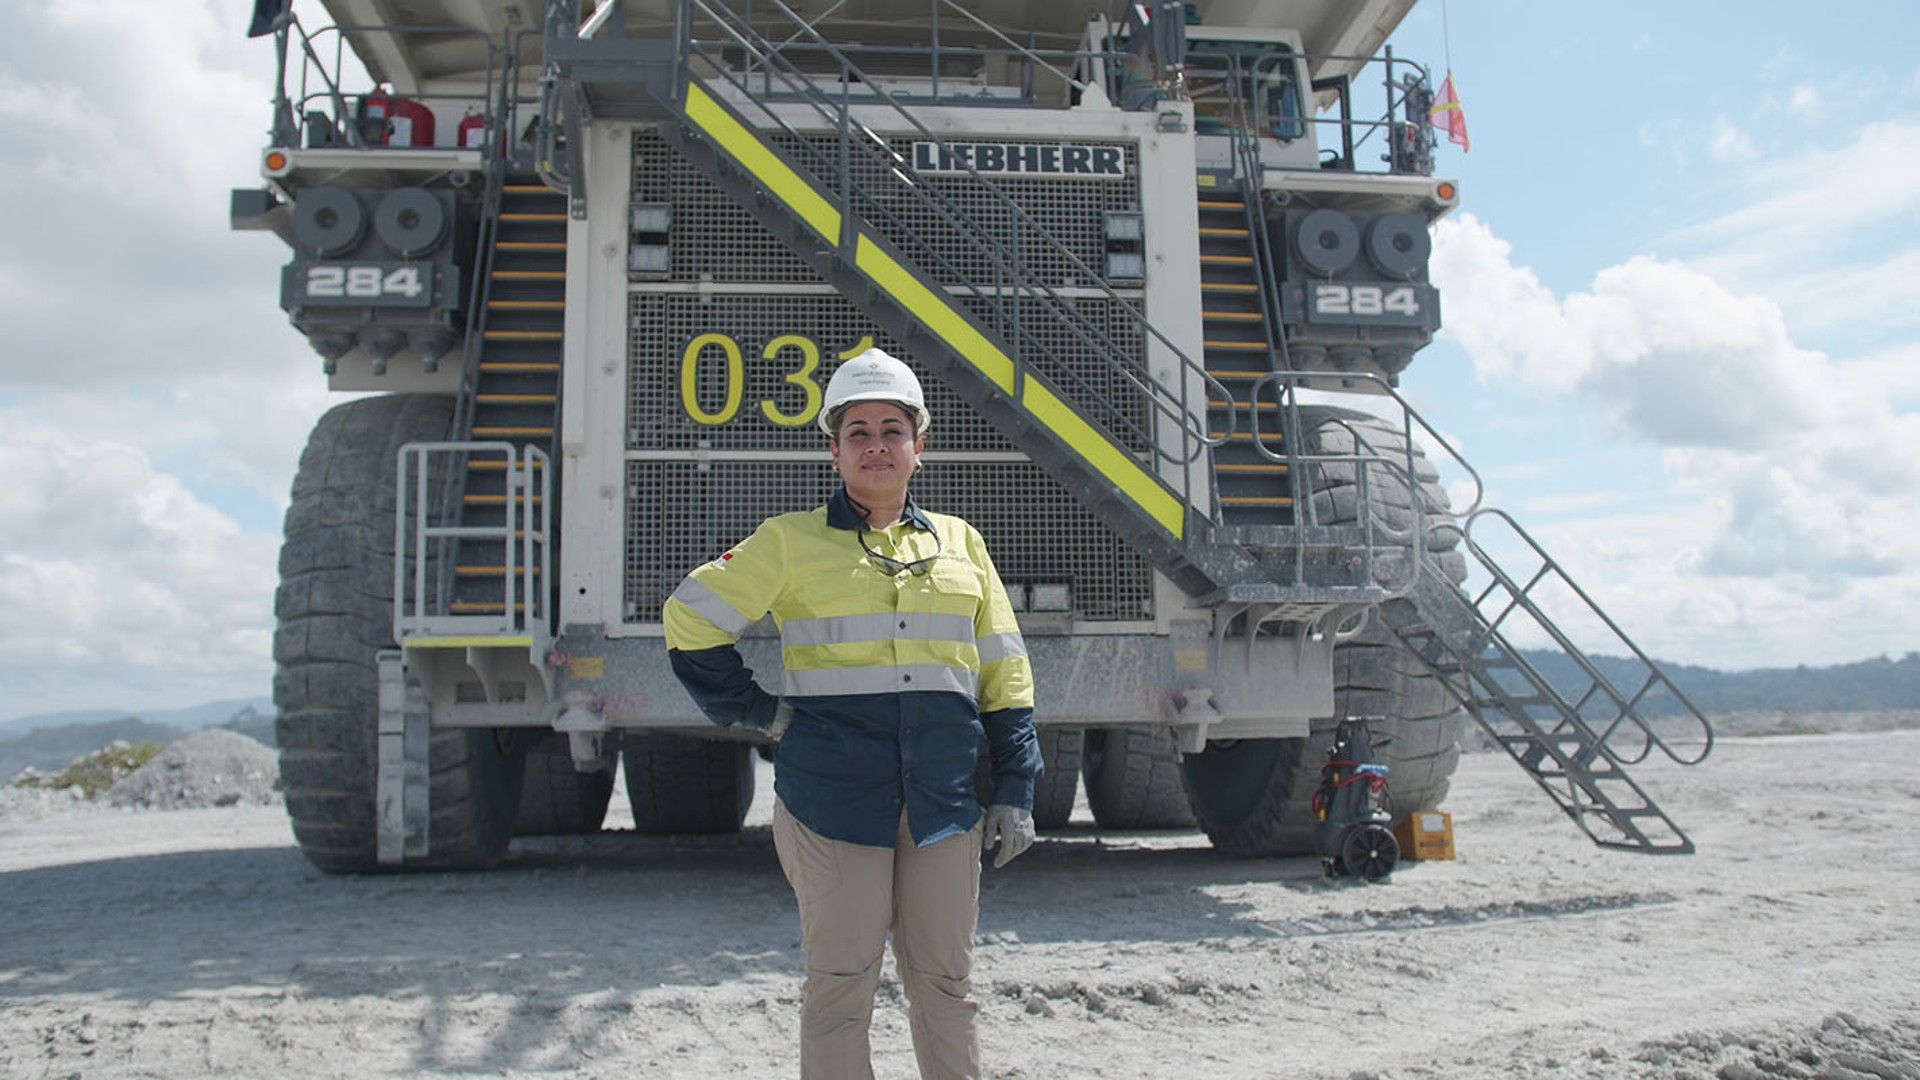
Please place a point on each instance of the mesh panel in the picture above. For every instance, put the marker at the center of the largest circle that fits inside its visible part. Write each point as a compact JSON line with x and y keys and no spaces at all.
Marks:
{"x":716,"y":240}
{"x":754,"y":405}
{"x":683,"y":513}
{"x":666,"y":324}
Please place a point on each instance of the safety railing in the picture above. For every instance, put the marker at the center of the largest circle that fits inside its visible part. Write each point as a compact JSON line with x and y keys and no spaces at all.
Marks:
{"x":425,"y":536}
{"x":716,"y":41}
{"x":1372,"y":465}
{"x":314,"y":109}
{"x":1614,"y":721}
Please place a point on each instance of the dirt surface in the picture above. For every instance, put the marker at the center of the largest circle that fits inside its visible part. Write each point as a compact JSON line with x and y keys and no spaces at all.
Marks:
{"x":141,"y":943}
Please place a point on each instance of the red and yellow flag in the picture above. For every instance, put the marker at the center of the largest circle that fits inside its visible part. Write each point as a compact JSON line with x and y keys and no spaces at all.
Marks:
{"x":1447,"y":115}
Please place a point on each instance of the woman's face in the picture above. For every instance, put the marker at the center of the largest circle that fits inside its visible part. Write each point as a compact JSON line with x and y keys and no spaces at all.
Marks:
{"x":876,"y":452}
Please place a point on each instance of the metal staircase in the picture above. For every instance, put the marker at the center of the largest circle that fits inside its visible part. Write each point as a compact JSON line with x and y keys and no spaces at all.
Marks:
{"x":1144,"y":464}
{"x":1206,"y":478}
{"x":516,"y":387}
{"x":1239,"y":342}
{"x":472,"y":550}
{"x":1575,"y":740}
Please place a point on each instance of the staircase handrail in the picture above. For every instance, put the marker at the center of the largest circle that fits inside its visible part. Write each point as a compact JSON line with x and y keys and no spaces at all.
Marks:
{"x":525,"y":541}
{"x":288,"y":118}
{"x":1193,"y":427}
{"x":1656,"y":679}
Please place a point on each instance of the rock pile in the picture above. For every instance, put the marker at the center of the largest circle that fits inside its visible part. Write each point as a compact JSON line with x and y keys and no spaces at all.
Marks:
{"x":211,"y":767}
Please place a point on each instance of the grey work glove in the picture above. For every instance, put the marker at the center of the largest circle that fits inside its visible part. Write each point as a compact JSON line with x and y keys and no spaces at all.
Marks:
{"x":1009,"y":828}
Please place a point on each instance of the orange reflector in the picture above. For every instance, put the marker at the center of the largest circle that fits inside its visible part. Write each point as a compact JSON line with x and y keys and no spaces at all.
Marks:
{"x":276,"y":160}
{"x":1445,"y":191}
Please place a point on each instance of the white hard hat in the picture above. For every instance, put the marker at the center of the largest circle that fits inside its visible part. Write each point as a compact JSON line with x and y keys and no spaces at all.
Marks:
{"x":874,"y":376}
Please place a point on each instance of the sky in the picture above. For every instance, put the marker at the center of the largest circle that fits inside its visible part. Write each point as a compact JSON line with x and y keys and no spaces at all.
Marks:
{"x":1681,"y":296}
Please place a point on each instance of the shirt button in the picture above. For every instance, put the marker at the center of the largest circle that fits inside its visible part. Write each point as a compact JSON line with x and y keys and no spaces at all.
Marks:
{"x":903,"y":624}
{"x":906,"y":678}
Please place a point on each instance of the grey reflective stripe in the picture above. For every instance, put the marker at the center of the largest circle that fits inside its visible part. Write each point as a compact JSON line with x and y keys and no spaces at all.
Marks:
{"x":840,"y":629}
{"x":1001,"y":646}
{"x":904,"y":678}
{"x":708,"y":605}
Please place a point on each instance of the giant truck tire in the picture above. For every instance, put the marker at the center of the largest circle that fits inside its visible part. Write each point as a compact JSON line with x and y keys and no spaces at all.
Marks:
{"x":557,"y":799}
{"x":683,"y":784}
{"x":1060,"y":752}
{"x":335,"y":612}
{"x":1254,"y":796}
{"x":1133,"y":779}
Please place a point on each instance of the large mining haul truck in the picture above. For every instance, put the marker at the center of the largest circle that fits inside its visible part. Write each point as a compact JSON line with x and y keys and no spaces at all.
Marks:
{"x":1161,"y":264}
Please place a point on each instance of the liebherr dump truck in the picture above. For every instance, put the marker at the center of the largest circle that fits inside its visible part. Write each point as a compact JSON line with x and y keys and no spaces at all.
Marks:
{"x":1160,"y":265}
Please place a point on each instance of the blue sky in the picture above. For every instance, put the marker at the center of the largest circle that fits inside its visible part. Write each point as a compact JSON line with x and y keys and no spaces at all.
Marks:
{"x":1682,"y":299}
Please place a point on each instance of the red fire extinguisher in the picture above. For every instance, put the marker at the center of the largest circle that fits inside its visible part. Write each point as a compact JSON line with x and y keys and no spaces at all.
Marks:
{"x":473,"y":132}
{"x":386,"y":120}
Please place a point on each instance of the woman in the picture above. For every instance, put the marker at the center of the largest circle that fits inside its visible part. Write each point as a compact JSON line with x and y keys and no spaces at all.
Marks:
{"x":902,"y":659}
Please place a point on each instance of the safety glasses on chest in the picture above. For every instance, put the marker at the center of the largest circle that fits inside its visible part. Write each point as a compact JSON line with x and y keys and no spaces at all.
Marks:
{"x":891,"y":565}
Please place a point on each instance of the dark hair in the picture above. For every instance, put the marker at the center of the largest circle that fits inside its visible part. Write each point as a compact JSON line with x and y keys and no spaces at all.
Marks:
{"x":840,"y":411}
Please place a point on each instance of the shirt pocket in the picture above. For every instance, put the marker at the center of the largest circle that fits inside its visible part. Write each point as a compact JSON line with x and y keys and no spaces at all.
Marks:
{"x":955,"y":586}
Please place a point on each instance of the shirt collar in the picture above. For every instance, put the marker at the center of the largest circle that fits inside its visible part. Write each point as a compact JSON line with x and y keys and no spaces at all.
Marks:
{"x":841,"y":515}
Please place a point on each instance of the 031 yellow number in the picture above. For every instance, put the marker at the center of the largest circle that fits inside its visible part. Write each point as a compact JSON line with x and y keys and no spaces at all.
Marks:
{"x":736,"y":377}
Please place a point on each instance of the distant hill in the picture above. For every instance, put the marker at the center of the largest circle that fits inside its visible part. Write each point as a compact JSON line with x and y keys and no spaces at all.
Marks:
{"x":1880,"y":683}
{"x":51,"y":749}
{"x":191,"y":718}
{"x":55,"y":740}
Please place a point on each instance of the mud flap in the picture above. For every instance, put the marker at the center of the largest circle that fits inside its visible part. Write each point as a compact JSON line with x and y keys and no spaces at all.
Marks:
{"x":400,"y":784}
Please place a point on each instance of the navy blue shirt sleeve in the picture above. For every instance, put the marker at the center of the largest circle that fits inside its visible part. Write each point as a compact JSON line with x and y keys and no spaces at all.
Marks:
{"x":1015,"y":753}
{"x":718,"y":681}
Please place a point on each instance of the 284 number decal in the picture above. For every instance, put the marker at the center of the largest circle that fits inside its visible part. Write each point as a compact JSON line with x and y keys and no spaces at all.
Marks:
{"x":391,"y":284}
{"x":1346,"y":303}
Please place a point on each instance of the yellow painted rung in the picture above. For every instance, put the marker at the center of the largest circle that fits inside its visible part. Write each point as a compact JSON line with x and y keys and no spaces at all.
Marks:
{"x":1228,"y":286}
{"x":540,"y":431}
{"x":467,"y":641}
{"x":1231,"y":316}
{"x":1249,"y":345}
{"x":520,"y":215}
{"x":1216,"y":204}
{"x":530,"y":275}
{"x":1223,"y":232}
{"x":516,"y":399}
{"x":531,"y":245}
{"x":523,"y":335}
{"x":520,"y":365}
{"x":1255,"y":500}
{"x":1237,"y":260}
{"x":1257,"y":468}
{"x":528,"y":305}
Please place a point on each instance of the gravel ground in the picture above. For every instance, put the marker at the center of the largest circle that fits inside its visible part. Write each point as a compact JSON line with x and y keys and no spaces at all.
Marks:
{"x":197,"y":942}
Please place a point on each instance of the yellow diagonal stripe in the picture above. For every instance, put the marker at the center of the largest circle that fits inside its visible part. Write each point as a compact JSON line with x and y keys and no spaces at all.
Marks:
{"x":758,"y":159}
{"x":934,"y":312}
{"x":1112,"y":462}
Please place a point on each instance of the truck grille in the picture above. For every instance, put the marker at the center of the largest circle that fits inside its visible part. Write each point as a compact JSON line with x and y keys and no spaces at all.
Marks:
{"x":687,"y":395}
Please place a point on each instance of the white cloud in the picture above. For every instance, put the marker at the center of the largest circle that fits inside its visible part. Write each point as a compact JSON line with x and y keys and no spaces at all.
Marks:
{"x":117,"y":582}
{"x":1832,"y":232}
{"x":1796,"y":472}
{"x":1806,"y":102}
{"x":1729,"y":143}
{"x":126,"y":125}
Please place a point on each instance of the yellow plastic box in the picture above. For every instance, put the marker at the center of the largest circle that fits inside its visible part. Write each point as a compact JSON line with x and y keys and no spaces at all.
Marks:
{"x":1427,"y":834}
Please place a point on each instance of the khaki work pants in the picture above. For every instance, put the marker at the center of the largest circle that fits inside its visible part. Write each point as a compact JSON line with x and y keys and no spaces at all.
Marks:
{"x":850,"y":896}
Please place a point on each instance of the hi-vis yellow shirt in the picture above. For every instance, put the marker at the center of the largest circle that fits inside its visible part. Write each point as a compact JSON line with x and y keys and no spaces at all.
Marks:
{"x":894,"y":673}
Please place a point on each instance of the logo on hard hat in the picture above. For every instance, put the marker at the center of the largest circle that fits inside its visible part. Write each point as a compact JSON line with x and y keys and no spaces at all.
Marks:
{"x":874,"y":376}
